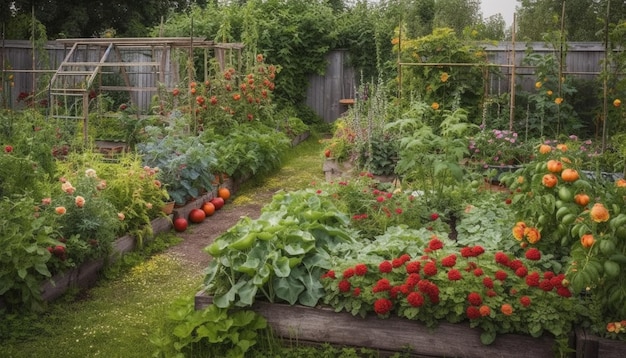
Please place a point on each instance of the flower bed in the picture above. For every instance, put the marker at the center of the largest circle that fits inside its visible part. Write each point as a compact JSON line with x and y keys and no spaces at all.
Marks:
{"x":323,"y":325}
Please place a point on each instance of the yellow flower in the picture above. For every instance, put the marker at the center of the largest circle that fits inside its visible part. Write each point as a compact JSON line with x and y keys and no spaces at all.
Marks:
{"x":444,"y":77}
{"x":617,"y":102}
{"x":435,"y":106}
{"x":549,"y":93}
{"x":558,"y":100}
{"x":538,"y":84}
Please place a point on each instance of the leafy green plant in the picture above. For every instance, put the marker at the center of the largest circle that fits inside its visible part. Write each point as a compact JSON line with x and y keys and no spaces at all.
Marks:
{"x":185,"y":164}
{"x":280,"y":256}
{"x":213,"y":331}
{"x":25,"y":259}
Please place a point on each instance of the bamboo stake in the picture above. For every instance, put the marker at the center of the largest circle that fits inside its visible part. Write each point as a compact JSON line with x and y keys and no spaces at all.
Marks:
{"x":605,"y":85}
{"x":512,"y":104}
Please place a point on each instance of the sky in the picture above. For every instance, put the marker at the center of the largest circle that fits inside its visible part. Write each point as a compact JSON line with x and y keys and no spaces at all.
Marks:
{"x":504,"y":7}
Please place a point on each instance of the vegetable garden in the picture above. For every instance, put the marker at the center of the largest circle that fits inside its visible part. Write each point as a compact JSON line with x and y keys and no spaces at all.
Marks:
{"x":446,"y":213}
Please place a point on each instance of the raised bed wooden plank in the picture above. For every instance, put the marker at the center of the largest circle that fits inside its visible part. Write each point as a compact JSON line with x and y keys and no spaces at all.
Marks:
{"x":588,"y":345}
{"x":324,"y":325}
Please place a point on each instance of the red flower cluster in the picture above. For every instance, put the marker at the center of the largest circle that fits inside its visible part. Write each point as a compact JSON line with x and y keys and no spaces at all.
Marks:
{"x":454,"y":275}
{"x":475,"y":299}
{"x":533,"y":254}
{"x":449,"y":261}
{"x":474,"y":251}
{"x":415,"y":299}
{"x":382,"y":306}
{"x":435,"y":244}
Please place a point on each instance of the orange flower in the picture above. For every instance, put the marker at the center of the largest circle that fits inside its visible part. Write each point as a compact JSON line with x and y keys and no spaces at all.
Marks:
{"x":518,"y":230}
{"x":60,"y":210}
{"x":549,"y":93}
{"x":538,"y":84}
{"x":157,"y":183}
{"x":610,"y":327}
{"x":259,"y":58}
{"x":507,"y":309}
{"x":617,"y":102}
{"x":587,"y":240}
{"x":620,"y":183}
{"x":532,"y":234}
{"x":444,"y":77}
{"x":545,"y":149}
{"x":435,"y":106}
{"x":562,"y":147}
{"x":484,"y":310}
{"x":80,"y":201}
{"x":121,"y":216}
{"x":599,"y":213}
{"x":558,"y":100}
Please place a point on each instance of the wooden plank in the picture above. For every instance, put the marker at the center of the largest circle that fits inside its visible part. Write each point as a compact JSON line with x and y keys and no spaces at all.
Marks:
{"x":111,"y":64}
{"x":586,"y":344}
{"x":324,"y":325}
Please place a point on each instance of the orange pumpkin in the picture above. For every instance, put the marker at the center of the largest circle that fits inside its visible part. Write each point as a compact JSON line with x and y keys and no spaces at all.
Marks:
{"x":545,"y":149}
{"x":581,"y":199}
{"x":549,"y":180}
{"x":555,"y":166}
{"x":587,"y":240}
{"x":570,"y":175}
{"x":599,"y":213}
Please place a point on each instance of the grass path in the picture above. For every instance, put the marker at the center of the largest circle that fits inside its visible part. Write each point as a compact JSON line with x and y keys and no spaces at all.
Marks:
{"x":117,"y":317}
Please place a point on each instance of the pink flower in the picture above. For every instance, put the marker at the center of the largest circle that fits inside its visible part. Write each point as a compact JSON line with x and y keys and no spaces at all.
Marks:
{"x":46,"y":201}
{"x":121,"y":216}
{"x":80,"y":201}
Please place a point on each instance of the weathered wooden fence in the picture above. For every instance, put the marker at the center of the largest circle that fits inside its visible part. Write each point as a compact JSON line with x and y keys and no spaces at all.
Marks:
{"x":584,"y":60}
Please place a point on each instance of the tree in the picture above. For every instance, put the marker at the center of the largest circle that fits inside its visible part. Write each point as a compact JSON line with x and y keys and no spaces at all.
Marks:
{"x":536,"y":17}
{"x":79,"y":18}
{"x":457,"y":14}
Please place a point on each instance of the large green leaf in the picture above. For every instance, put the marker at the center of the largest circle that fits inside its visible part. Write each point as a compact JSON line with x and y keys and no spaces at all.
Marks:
{"x":288,"y":288}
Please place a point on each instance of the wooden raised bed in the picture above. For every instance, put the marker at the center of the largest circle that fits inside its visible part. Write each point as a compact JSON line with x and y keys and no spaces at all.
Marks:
{"x":588,"y":345}
{"x":324,"y":325}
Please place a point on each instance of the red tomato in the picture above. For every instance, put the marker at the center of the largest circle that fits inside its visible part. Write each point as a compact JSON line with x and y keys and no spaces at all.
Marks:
{"x":180,"y":224}
{"x":217,"y":202}
{"x":197,"y":216}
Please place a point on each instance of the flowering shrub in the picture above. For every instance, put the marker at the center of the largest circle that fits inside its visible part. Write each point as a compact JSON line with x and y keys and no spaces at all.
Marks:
{"x":496,"y":292}
{"x":87,"y":222}
{"x":376,"y":206}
